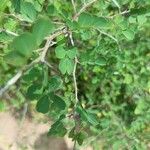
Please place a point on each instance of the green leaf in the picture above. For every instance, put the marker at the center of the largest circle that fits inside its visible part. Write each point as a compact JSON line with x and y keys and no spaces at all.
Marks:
{"x":38,"y":5}
{"x":34,"y":91}
{"x":128,"y":79}
{"x":66,"y":66}
{"x":43,"y":104}
{"x":132,"y":20}
{"x":31,"y":75}
{"x":14,"y":59}
{"x":72,"y":53}
{"x":117,"y":145}
{"x":101,"y":61}
{"x":92,"y":119}
{"x":88,"y":20}
{"x":100,"y":22}
{"x":140,"y":10}
{"x":72,"y":133}
{"x":51,"y":10}
{"x":80,"y":137}
{"x":42,"y":28}
{"x":141,"y":19}
{"x":57,"y":129}
{"x":5,"y":37}
{"x":16,"y":5}
{"x":141,"y":106}
{"x":85,"y":20}
{"x":86,"y":116}
{"x":58,"y":102}
{"x":60,"y":52}
{"x":28,"y":11}
{"x":85,"y":57}
{"x":3,"y":5}
{"x":55,"y":83}
{"x":116,"y":3}
{"x":73,"y":25}
{"x":24,"y":44}
{"x":86,"y":35}
{"x":129,"y":34}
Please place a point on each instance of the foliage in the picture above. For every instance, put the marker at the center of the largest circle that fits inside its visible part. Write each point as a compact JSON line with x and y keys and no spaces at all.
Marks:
{"x":85,"y":64}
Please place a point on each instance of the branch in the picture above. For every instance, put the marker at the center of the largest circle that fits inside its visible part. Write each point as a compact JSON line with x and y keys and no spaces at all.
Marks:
{"x":74,"y":7}
{"x":16,"y":77}
{"x":83,"y":9}
{"x":45,"y":49}
{"x":11,"y":82}
{"x":75,"y":81}
{"x":14,"y":16}
{"x":8,"y":32}
{"x":41,"y":58}
{"x":74,"y":72}
{"x":121,"y":13}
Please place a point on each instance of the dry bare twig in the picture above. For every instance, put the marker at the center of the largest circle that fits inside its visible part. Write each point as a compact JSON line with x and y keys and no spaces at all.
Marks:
{"x":41,"y":58}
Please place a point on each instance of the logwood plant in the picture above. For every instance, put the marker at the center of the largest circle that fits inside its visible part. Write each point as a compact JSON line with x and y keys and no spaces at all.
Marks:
{"x":86,"y":65}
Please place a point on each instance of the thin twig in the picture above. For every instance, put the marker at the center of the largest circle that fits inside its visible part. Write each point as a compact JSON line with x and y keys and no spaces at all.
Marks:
{"x":12,"y":81}
{"x":75,"y":116}
{"x":25,"y":109}
{"x":74,"y":6}
{"x":58,"y":23}
{"x":8,"y":32}
{"x":45,"y":50}
{"x":117,"y":4}
{"x":110,"y":36}
{"x":84,"y":1}
{"x":74,"y":72}
{"x":83,"y":9}
{"x":48,"y":64}
{"x":14,"y":16}
{"x":75,"y":81}
{"x":121,"y":13}
{"x":41,"y":49}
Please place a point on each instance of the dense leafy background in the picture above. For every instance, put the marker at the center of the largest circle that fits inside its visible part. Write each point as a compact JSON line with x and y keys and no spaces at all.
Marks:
{"x":112,"y":45}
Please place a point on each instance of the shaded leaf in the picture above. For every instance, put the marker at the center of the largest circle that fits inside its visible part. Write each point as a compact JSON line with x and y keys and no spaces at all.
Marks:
{"x":32,"y":74}
{"x":57,"y":129}
{"x":80,"y":137}
{"x":55,"y":83}
{"x":43,"y":104}
{"x":16,"y":5}
{"x":34,"y":91}
{"x":86,"y":116}
{"x":58,"y":102}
